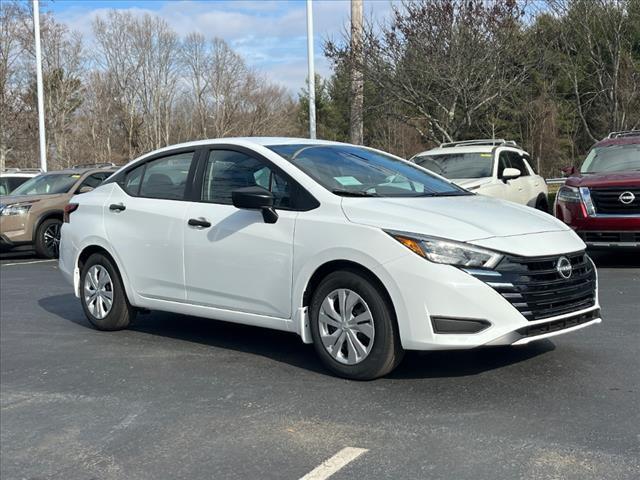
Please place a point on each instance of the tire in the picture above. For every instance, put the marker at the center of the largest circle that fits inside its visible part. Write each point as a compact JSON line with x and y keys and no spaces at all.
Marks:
{"x":120,"y":313}
{"x":542,"y":204}
{"x":383,"y":351}
{"x":47,"y":242}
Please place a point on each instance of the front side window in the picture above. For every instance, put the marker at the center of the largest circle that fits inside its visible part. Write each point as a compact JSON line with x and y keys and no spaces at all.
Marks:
{"x":358,"y":171}
{"x":47,"y":184}
{"x":227,"y":171}
{"x":614,"y":158}
{"x":166,"y":177}
{"x":458,"y":165}
{"x":518,"y":162}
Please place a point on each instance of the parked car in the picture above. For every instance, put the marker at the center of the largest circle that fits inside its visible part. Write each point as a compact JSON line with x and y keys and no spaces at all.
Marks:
{"x":601,"y":201}
{"x":494,"y":167}
{"x":32,"y":215}
{"x":12,"y":178}
{"x":361,"y":253}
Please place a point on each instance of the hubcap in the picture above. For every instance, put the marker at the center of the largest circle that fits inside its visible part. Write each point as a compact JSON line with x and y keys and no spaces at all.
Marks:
{"x":98,"y":291}
{"x":346,"y":326}
{"x":52,"y":238}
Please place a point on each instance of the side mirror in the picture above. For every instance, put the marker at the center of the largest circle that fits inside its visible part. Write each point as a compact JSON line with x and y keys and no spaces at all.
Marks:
{"x":85,"y":189}
{"x":256,"y":198}
{"x":568,"y":171}
{"x":510,"y":174}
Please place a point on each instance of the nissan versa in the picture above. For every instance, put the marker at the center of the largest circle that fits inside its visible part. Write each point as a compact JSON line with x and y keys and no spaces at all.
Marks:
{"x":361,"y":253}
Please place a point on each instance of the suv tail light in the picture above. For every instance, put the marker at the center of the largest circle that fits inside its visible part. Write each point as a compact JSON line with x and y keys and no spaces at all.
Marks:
{"x":69,"y":208}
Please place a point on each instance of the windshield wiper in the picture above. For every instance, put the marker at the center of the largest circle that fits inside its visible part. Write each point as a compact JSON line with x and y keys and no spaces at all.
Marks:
{"x":353,"y":193}
{"x":444,"y":194}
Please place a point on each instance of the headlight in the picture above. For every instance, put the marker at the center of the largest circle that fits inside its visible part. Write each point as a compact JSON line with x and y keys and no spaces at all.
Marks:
{"x":15,"y":209}
{"x":569,"y":194}
{"x":447,"y":252}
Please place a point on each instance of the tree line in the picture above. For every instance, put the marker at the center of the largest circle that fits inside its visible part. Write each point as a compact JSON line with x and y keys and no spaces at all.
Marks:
{"x":555,"y":76}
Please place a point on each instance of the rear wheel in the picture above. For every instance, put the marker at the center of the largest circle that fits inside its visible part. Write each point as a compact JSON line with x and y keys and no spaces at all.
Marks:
{"x":102,"y":295}
{"x":47,"y":243}
{"x":353,"y":327}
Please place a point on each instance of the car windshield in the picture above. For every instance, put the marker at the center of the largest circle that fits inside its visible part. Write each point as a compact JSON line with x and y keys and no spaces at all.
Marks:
{"x":357,"y":171}
{"x":47,"y":184}
{"x":458,"y":165}
{"x":614,"y":158}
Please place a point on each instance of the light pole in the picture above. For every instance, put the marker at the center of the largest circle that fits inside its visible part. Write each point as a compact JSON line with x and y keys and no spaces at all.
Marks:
{"x":36,"y":33}
{"x":312,"y":77}
{"x":357,"y":83}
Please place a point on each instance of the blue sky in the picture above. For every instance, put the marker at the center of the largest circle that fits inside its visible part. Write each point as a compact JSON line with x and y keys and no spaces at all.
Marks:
{"x":269,"y":34}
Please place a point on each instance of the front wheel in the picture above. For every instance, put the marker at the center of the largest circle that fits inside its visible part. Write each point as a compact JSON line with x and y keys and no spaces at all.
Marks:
{"x":353,"y":327}
{"x":542,"y":205}
{"x":102,"y":295}
{"x":47,"y":243}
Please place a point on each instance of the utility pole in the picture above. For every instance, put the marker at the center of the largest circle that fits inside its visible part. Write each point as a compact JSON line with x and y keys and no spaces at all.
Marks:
{"x":36,"y":33}
{"x":357,"y":84}
{"x":312,"y":74}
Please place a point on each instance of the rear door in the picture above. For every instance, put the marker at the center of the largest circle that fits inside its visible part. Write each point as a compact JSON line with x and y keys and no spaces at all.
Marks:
{"x":234,"y":260}
{"x":144,"y":221}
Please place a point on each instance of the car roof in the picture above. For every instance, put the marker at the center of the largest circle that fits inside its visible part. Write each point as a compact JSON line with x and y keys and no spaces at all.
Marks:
{"x":240,"y":141}
{"x":82,"y":171}
{"x":461,"y":149}
{"x":628,"y":140}
{"x":18,"y":174}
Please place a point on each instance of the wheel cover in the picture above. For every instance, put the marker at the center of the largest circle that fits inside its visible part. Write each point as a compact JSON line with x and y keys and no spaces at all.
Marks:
{"x":98,"y":291}
{"x":52,"y":238}
{"x":346,"y":326}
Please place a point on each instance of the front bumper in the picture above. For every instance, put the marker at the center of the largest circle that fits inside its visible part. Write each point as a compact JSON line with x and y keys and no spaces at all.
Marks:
{"x":422,"y":291}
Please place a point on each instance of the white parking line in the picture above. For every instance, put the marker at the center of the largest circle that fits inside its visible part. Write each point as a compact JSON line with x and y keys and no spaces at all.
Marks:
{"x":335,"y":463}
{"x":27,"y":263}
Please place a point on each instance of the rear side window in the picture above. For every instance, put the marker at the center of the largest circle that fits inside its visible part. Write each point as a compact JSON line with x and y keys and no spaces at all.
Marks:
{"x":227,"y":171}
{"x":167,"y":177}
{"x":94,"y":180}
{"x":131,"y":183}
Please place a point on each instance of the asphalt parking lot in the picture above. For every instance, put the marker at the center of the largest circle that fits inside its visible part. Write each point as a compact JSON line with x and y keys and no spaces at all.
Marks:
{"x":180,"y":397}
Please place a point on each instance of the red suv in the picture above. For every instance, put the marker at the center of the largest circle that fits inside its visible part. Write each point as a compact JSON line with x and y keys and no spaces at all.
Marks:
{"x":601,"y":202}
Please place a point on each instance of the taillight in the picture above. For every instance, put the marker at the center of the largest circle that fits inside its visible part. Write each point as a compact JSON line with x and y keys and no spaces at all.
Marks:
{"x":69,"y":208}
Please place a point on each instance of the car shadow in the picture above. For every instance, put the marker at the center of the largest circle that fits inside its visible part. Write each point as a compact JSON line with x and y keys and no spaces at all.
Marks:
{"x":20,"y":255}
{"x":287,"y":348}
{"x":615,"y":258}
{"x":462,"y":363}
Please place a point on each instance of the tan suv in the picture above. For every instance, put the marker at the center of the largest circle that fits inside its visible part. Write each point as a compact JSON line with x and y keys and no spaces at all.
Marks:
{"x":32,"y":215}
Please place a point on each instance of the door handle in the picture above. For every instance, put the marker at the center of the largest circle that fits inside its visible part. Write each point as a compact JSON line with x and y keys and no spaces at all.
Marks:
{"x":117,"y":207}
{"x":199,"y":222}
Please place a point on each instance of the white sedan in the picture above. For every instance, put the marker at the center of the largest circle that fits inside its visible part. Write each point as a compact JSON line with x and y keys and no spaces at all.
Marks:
{"x":496,"y":168}
{"x":361,"y":253}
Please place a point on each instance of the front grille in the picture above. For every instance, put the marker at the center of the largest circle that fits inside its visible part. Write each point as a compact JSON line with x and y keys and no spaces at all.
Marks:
{"x":535,"y":287}
{"x":557,"y":325}
{"x":613,"y":237}
{"x":607,"y":201}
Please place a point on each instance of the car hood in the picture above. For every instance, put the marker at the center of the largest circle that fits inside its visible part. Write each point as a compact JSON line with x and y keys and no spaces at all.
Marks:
{"x":10,"y":199}
{"x":612,"y":179}
{"x":471,"y":183}
{"x":462,"y":218}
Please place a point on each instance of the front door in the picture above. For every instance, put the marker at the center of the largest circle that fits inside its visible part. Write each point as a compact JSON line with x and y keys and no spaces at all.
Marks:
{"x":233,"y":259}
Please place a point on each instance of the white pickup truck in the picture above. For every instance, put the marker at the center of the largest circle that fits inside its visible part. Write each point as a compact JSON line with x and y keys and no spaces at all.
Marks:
{"x":494,"y":167}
